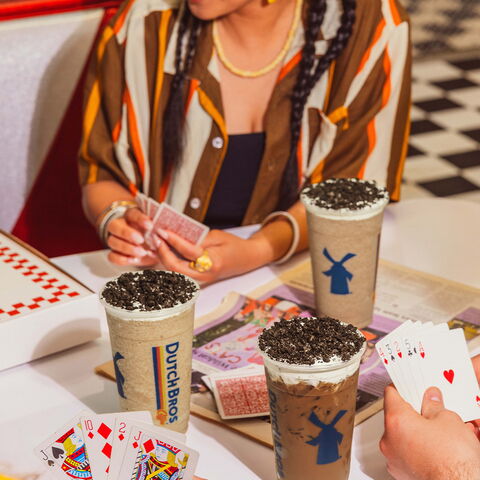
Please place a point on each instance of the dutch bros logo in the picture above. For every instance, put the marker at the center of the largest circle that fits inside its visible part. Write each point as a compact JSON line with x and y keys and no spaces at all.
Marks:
{"x":167,"y":387}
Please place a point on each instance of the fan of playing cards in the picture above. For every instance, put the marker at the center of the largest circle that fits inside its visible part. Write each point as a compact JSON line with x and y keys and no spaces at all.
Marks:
{"x":166,"y":217}
{"x":117,"y":446}
{"x":421,"y":355}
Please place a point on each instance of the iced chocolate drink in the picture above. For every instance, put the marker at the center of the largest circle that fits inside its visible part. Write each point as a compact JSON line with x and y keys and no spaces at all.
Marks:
{"x":150,"y":319}
{"x":312,"y":372}
{"x":344,"y":223}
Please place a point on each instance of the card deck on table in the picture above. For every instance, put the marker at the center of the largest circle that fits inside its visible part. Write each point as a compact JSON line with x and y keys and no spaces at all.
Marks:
{"x":166,"y":217}
{"x":65,"y":451}
{"x":240,"y":394}
{"x":98,"y":432}
{"x":156,"y":454}
{"x":418,"y":356}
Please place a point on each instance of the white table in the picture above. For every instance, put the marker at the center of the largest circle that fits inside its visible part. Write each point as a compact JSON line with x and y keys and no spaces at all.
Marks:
{"x":434,"y":235}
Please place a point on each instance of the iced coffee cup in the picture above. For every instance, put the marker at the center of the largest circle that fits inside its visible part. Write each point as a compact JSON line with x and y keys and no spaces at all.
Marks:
{"x":150,"y":317}
{"x":344,"y":219}
{"x":312,"y":366}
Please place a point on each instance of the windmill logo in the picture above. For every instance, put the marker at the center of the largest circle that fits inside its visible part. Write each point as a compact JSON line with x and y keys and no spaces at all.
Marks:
{"x":340,"y":276}
{"x":328,"y":439}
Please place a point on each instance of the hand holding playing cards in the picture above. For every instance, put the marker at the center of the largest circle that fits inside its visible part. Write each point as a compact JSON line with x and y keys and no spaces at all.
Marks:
{"x":435,"y":445}
{"x":126,"y":239}
{"x":230,"y":255}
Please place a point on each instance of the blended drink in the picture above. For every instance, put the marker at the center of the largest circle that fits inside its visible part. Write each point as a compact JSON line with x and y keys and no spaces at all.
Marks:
{"x":150,"y":318}
{"x":344,"y":219}
{"x":312,"y":366}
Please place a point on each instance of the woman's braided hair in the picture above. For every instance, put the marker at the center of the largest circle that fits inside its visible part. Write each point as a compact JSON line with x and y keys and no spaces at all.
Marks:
{"x":310,"y":70}
{"x":173,"y":116}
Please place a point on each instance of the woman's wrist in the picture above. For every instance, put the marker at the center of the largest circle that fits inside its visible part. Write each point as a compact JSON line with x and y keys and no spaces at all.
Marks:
{"x":276,"y":240}
{"x":114,"y":210}
{"x":261,"y":250}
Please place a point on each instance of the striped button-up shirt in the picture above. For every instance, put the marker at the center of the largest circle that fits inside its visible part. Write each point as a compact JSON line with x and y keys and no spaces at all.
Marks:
{"x":355,"y":123}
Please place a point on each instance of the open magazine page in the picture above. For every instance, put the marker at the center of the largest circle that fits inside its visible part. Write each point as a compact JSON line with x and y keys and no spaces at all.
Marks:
{"x":226,"y":338}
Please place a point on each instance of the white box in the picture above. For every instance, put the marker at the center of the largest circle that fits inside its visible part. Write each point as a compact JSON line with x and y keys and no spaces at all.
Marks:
{"x":42,"y":309}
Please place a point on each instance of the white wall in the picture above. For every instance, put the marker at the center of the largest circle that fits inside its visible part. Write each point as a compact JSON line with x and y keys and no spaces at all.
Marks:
{"x":41,"y":59}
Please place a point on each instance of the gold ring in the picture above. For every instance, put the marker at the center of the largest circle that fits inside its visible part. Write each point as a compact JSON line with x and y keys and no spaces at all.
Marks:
{"x":203,"y":263}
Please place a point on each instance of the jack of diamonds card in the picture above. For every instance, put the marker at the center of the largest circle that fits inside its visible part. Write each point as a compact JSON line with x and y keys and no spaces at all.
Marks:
{"x":155,"y":456}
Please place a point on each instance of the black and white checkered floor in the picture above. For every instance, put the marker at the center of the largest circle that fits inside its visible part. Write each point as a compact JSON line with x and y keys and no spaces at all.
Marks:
{"x":440,"y":26}
{"x":444,"y":148}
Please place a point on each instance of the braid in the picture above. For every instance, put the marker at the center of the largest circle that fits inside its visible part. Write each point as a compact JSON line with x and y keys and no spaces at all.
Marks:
{"x":307,"y":78}
{"x":173,"y":116}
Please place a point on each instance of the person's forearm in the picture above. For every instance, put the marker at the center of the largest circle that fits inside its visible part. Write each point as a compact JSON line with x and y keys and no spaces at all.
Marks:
{"x":275,"y":238}
{"x":98,"y":196}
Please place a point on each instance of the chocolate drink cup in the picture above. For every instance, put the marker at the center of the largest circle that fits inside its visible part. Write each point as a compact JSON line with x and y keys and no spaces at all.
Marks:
{"x":312,"y":409}
{"x":152,"y":354}
{"x":344,"y":248}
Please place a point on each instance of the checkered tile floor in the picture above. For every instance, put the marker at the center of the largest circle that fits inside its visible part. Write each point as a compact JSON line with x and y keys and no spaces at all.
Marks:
{"x":440,"y":26}
{"x":444,"y":148}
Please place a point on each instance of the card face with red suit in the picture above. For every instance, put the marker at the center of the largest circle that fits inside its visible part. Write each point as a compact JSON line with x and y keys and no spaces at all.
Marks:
{"x":418,"y":356}
{"x":156,"y":454}
{"x":116,"y":446}
{"x":98,"y":432}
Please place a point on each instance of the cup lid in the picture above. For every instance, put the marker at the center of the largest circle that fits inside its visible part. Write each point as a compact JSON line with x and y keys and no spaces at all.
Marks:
{"x":141,"y":313}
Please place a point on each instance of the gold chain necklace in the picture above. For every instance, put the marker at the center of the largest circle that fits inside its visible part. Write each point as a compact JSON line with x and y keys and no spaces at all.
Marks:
{"x":268,"y":68}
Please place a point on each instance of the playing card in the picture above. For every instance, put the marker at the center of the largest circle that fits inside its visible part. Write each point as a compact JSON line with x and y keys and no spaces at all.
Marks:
{"x":155,"y":454}
{"x":123,"y":429}
{"x":182,"y":225}
{"x":98,"y":434}
{"x":446,"y":364}
{"x":241,"y":394}
{"x":154,"y":209}
{"x":408,"y":339}
{"x":390,"y":350}
{"x":65,"y":452}
{"x":417,"y":374}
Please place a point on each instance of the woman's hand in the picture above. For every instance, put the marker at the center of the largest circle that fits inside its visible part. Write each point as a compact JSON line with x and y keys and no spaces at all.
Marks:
{"x":435,"y":445}
{"x":230,"y":254}
{"x":126,"y":239}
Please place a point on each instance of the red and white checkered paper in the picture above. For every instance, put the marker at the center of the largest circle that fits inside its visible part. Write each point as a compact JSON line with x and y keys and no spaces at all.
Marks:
{"x":28,"y":283}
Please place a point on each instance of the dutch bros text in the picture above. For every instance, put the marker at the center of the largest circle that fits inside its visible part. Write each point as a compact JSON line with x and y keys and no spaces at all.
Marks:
{"x":167,"y":381}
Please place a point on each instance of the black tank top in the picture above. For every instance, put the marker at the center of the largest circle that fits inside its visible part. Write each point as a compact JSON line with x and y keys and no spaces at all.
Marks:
{"x":236,"y":181}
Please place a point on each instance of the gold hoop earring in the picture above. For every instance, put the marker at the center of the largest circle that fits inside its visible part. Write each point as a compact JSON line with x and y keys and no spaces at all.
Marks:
{"x":271,"y":1}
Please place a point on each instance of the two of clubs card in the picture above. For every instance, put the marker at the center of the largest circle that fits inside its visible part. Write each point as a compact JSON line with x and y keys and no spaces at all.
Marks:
{"x":117,"y":446}
{"x":165,"y":217}
{"x":421,"y":355}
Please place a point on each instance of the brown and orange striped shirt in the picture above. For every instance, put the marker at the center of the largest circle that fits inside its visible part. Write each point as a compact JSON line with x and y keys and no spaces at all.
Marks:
{"x":355,"y":124}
